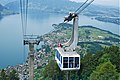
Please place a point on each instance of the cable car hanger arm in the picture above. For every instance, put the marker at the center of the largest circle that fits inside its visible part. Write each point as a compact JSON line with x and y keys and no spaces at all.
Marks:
{"x":72,"y":43}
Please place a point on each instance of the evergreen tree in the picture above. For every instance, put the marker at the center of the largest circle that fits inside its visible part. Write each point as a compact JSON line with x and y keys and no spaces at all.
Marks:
{"x":3,"y":75}
{"x":104,"y":58}
{"x":13,"y":75}
{"x":103,"y":65}
{"x":53,"y":72}
{"x":91,"y":61}
{"x":114,"y":52}
{"x":105,"y":71}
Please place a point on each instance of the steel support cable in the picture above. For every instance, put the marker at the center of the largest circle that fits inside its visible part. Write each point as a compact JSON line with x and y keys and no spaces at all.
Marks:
{"x":26,"y":9}
{"x":22,"y":20}
{"x":21,"y":10}
{"x":81,"y":5}
{"x":26,"y":16}
{"x":24,"y":6}
{"x":81,"y":9}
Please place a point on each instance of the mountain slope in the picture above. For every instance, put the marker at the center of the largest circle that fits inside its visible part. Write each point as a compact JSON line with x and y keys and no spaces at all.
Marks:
{"x":5,"y":11}
{"x":56,"y":4}
{"x":14,"y":6}
{"x":2,"y":7}
{"x":101,"y":13}
{"x":46,"y":5}
{"x":3,"y":2}
{"x":64,"y":6}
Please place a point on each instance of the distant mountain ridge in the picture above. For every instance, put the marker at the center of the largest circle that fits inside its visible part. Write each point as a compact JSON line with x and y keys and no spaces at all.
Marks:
{"x":14,"y":6}
{"x":5,"y":11}
{"x":2,"y":7}
{"x":3,"y":2}
{"x":56,"y":6}
{"x":101,"y":13}
{"x":46,"y":5}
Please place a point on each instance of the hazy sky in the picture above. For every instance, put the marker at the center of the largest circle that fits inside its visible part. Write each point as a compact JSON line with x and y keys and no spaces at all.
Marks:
{"x":114,"y":3}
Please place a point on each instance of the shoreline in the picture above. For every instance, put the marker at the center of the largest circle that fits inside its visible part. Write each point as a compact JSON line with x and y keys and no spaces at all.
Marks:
{"x":5,"y":15}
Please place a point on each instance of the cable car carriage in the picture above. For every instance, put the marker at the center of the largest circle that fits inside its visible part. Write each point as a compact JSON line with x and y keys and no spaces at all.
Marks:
{"x":67,"y":60}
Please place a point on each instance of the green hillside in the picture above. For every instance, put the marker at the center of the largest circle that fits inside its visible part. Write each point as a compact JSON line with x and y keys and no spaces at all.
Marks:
{"x":100,"y":56}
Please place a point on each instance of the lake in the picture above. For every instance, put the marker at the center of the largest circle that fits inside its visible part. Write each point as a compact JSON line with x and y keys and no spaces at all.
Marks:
{"x":39,"y":23}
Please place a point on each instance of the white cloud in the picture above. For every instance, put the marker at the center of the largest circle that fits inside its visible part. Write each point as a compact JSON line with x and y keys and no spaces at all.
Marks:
{"x":115,"y":3}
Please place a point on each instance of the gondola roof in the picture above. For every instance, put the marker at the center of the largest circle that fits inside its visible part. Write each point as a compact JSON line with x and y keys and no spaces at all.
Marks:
{"x":67,"y":54}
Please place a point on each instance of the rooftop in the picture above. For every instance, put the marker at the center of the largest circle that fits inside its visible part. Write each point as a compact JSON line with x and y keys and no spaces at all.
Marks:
{"x":67,"y":53}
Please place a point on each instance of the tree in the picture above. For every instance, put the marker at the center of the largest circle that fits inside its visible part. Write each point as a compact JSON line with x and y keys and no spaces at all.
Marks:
{"x":104,"y":58}
{"x":13,"y":75}
{"x":114,"y":51}
{"x":88,"y":64}
{"x":91,"y":61}
{"x":103,"y":65}
{"x":47,"y":49}
{"x":52,"y":71}
{"x":105,"y":71}
{"x":3,"y":75}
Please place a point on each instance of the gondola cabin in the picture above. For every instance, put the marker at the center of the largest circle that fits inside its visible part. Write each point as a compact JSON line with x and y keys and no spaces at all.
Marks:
{"x":67,"y":60}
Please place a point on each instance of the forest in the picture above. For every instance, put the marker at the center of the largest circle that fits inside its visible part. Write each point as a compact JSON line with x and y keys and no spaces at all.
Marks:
{"x":103,"y":65}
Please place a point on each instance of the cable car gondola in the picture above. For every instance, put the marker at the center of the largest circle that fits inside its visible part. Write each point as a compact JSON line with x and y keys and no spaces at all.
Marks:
{"x":67,"y":60}
{"x":65,"y":54}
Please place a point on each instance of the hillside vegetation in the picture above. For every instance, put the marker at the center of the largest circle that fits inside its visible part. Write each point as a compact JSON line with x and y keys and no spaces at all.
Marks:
{"x":99,"y":56}
{"x":103,"y":65}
